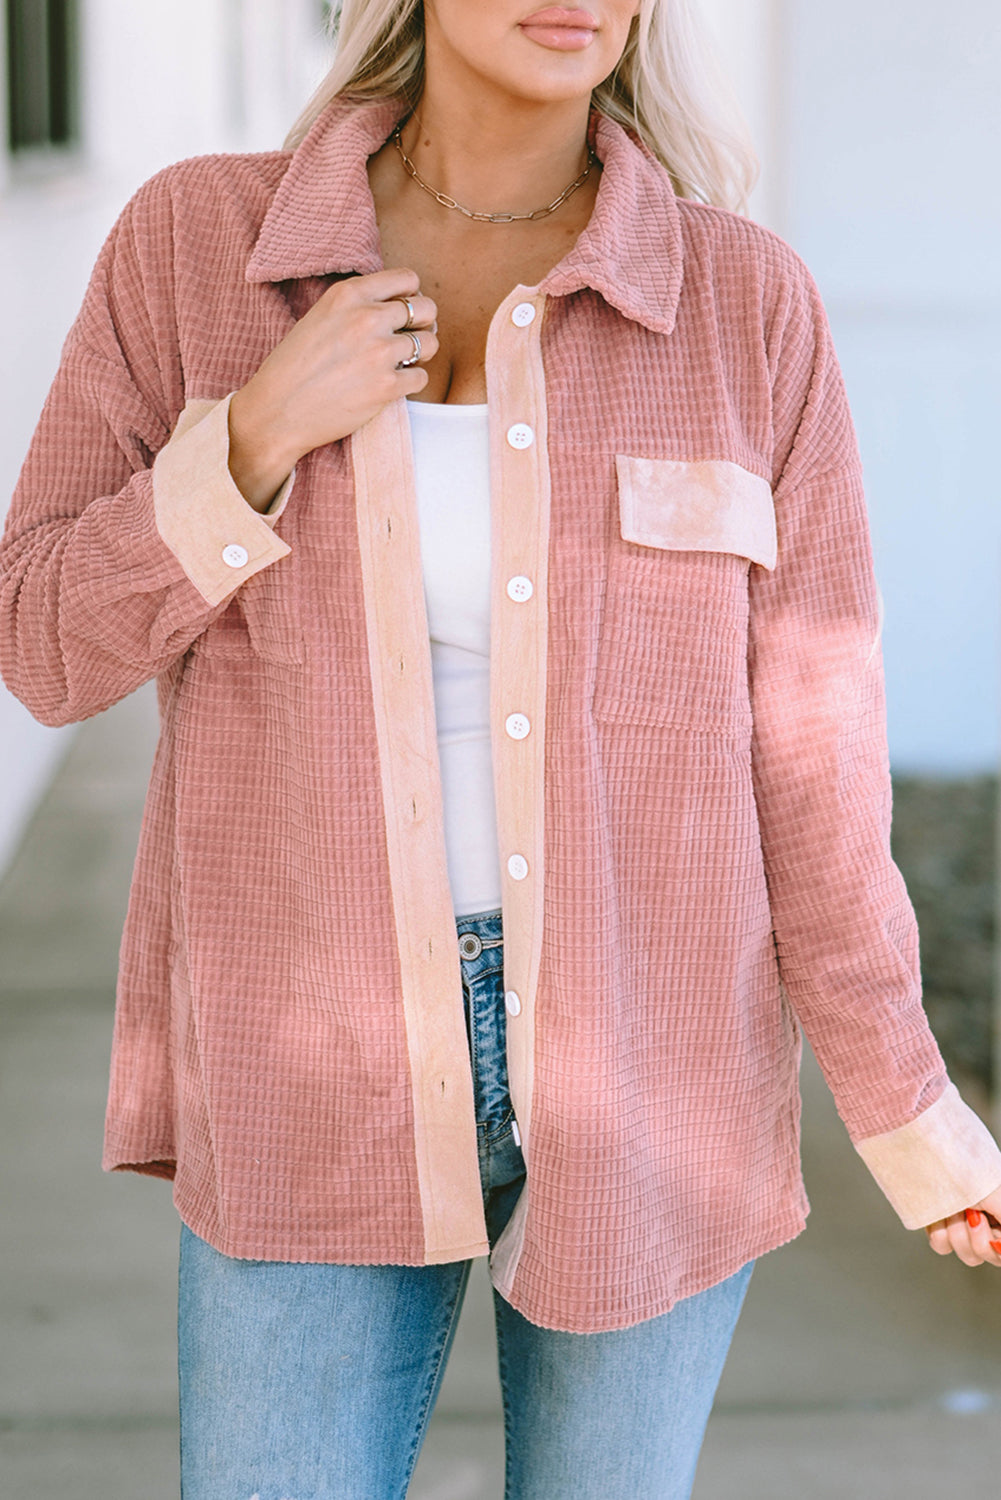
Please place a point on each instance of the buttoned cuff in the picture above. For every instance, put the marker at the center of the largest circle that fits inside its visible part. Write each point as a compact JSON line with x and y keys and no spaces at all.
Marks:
{"x":217,"y":537}
{"x":943,"y":1161}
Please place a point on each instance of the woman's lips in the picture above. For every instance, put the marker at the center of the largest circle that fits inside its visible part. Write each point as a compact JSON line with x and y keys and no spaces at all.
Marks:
{"x":562,"y":30}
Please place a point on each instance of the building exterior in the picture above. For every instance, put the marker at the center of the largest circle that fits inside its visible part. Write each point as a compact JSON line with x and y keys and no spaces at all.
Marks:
{"x":874,"y":120}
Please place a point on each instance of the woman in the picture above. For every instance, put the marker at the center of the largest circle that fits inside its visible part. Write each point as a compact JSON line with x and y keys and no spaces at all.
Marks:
{"x":487,"y":506}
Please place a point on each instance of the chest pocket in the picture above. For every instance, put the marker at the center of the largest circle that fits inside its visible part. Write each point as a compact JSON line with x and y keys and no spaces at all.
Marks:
{"x":709,"y":506}
{"x":673,"y":642}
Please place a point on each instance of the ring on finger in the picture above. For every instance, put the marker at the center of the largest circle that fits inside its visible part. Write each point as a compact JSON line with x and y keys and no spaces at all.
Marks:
{"x":410,"y":314}
{"x":405,"y":364}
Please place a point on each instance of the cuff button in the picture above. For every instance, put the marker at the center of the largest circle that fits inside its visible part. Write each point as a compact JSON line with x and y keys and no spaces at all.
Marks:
{"x":235,"y":556}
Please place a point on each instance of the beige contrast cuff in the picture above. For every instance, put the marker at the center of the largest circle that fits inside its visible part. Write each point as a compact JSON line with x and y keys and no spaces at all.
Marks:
{"x":219,"y":540}
{"x":936,"y":1165}
{"x":280,"y":501}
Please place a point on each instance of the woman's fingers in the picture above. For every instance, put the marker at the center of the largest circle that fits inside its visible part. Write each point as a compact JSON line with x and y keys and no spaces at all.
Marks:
{"x":389,"y":291}
{"x":938,"y":1237}
{"x":393,"y":312}
{"x":968,"y":1235}
{"x":959,"y":1235}
{"x":380,"y":286}
{"x":981,"y":1234}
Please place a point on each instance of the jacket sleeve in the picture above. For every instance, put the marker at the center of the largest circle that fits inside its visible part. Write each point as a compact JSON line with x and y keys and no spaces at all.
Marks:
{"x":122,"y":544}
{"x":844,"y":927}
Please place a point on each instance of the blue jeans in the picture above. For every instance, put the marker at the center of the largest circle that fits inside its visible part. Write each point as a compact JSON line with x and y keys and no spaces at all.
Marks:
{"x":317,"y":1382}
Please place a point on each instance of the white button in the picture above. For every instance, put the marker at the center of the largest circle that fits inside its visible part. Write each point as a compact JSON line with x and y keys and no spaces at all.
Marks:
{"x":523,"y":314}
{"x":520,"y":435}
{"x":235,"y":556}
{"x":517,"y":867}
{"x":515,"y":1133}
{"x":520,"y":588}
{"x":517,"y":726}
{"x":512,"y":1001}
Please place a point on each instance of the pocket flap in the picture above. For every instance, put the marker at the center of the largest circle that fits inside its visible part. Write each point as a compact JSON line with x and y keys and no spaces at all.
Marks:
{"x":708,"y":506}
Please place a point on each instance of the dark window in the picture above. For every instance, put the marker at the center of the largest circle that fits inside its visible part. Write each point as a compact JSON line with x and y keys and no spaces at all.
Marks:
{"x":41,"y":73}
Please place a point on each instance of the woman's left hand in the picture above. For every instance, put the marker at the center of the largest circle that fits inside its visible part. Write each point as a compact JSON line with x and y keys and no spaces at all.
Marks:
{"x":974,"y":1234}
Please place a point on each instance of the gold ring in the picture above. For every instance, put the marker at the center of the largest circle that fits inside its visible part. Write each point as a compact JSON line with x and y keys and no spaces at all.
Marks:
{"x":410,"y":314}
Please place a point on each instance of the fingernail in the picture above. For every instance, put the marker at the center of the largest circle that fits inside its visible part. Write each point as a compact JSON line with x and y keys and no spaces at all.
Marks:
{"x":996,"y":1246}
{"x":973,"y":1217}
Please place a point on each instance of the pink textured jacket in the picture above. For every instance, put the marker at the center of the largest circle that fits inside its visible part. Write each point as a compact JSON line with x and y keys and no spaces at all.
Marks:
{"x":688,"y":741}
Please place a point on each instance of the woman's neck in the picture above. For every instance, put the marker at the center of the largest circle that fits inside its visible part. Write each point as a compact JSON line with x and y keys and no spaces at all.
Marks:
{"x":497,"y":155}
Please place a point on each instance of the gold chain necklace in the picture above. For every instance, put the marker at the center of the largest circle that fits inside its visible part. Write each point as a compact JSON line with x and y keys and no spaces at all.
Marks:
{"x":447,"y":202}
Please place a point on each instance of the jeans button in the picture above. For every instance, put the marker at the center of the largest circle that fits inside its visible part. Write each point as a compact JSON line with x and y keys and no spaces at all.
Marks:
{"x":470,"y":945}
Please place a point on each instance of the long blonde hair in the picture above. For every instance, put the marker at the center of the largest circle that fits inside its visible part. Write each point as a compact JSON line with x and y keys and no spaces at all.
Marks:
{"x":668,"y":88}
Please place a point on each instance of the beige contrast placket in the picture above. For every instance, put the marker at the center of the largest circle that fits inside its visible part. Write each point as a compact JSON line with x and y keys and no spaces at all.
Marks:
{"x":519,"y":499}
{"x":430,"y":974}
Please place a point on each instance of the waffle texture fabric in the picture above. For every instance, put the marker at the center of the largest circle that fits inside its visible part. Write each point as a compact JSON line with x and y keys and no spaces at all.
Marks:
{"x":689,"y":752}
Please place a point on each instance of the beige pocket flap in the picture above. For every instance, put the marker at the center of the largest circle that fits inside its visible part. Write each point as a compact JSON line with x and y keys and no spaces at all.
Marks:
{"x":708,"y":506}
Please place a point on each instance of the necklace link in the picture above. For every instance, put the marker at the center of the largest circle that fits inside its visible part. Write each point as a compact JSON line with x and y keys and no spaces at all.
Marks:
{"x":483,"y":218}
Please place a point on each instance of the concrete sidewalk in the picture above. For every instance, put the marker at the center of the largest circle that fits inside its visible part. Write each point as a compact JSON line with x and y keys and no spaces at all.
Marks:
{"x":863,"y":1365}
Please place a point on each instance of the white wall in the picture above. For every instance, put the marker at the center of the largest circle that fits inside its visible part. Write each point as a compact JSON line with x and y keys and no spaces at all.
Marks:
{"x":893,"y":200}
{"x":173,"y":78}
{"x":747,"y":34}
{"x":284,"y":56}
{"x":154,"y":83}
{"x":877,"y":122}
{"x":891,"y":193}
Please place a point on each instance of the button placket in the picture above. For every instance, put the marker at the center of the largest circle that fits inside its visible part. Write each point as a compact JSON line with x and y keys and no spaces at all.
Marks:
{"x":520,"y":539}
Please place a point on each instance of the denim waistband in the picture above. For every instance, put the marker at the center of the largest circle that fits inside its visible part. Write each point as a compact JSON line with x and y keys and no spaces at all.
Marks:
{"x":478,"y":917}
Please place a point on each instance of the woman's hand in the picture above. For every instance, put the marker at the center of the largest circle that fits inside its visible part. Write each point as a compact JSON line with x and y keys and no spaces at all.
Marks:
{"x":330,"y":375}
{"x":974,"y":1235}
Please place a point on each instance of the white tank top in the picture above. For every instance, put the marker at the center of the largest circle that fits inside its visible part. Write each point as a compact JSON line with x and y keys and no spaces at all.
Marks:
{"x":452,"y":469}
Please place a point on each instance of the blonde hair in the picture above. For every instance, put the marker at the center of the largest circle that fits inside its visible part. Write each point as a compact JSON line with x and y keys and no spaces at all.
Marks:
{"x":668,"y":87}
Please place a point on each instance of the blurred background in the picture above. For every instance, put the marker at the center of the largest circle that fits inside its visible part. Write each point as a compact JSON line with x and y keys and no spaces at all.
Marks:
{"x":863,"y":1365}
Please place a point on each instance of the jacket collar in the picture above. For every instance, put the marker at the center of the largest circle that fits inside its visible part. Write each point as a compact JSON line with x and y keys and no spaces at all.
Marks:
{"x":322,"y":217}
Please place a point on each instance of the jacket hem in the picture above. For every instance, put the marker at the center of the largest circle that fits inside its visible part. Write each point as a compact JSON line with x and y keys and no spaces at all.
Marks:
{"x":786,"y":1231}
{"x":238,"y":1249}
